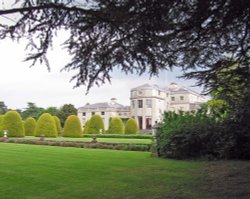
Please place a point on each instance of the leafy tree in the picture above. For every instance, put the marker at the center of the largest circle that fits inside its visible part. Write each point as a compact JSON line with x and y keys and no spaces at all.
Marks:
{"x":32,"y":111}
{"x":72,"y":127}
{"x":46,"y":126}
{"x":131,"y":126}
{"x":95,"y":124}
{"x":116,"y":126}
{"x":52,"y":110}
{"x":12,"y":122}
{"x":155,"y":35}
{"x":65,"y":111}
{"x":58,"y":124}
{"x":1,"y":129}
{"x":29,"y":126}
{"x":3,"y":107}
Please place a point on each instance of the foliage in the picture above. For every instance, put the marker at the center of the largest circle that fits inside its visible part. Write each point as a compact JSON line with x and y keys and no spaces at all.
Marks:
{"x":58,"y":124}
{"x":46,"y":126}
{"x":155,"y":35}
{"x":65,"y":111}
{"x":32,"y":111}
{"x":127,"y":136}
{"x":1,"y":129}
{"x":95,"y":124}
{"x":29,"y":126}
{"x":131,"y":126}
{"x":116,"y":126}
{"x":12,"y":122}
{"x":52,"y":111}
{"x":85,"y":130}
{"x":3,"y":108}
{"x":72,"y":127}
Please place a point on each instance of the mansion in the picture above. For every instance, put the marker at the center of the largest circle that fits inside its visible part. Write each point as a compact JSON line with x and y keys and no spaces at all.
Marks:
{"x":147,"y":105}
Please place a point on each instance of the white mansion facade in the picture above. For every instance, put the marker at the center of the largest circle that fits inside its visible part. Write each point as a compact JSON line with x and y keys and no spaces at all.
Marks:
{"x":147,"y":105}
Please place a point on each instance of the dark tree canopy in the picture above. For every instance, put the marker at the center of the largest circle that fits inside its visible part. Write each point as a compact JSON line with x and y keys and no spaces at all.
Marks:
{"x":136,"y":36}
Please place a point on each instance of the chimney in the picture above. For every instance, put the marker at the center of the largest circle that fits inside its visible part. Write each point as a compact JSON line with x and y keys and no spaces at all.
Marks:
{"x":173,"y":85}
{"x":113,"y":100}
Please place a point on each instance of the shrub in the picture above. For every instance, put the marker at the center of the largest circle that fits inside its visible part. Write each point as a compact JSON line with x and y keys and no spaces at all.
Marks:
{"x":58,"y":124}
{"x":85,"y":130}
{"x":116,"y":126}
{"x":95,"y":124}
{"x":131,"y":126}
{"x":29,"y":126}
{"x":72,"y":127}
{"x":46,"y":125}
{"x":12,"y":122}
{"x":1,"y":129}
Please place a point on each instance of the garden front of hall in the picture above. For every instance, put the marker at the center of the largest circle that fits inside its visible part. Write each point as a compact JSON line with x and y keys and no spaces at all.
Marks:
{"x":68,"y":167}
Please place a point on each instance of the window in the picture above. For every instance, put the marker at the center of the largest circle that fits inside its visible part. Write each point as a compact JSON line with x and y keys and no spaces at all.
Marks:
{"x":172,"y":98}
{"x":83,"y":114}
{"x":159,"y":92}
{"x":182,"y":98}
{"x":140,"y":103}
{"x":149,"y":103}
{"x":102,"y":113}
{"x":93,"y":113}
{"x":140,"y":92}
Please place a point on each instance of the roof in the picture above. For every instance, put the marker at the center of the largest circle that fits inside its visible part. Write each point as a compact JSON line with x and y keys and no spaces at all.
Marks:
{"x":147,"y":87}
{"x":103,"y":105}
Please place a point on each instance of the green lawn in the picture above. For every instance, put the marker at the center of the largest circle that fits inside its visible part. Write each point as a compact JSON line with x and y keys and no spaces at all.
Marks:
{"x":110,"y":140}
{"x":44,"y":172}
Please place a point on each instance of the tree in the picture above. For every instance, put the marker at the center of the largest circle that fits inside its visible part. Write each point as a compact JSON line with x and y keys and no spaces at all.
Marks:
{"x":46,"y":126}
{"x":65,"y":111}
{"x":131,"y":126}
{"x":95,"y":125}
{"x":32,"y":111}
{"x":72,"y":127}
{"x":52,"y":110}
{"x":136,"y":36}
{"x":12,"y":122}
{"x":1,"y":129}
{"x":29,"y":126}
{"x":58,"y":124}
{"x":116,"y":126}
{"x":3,"y":107}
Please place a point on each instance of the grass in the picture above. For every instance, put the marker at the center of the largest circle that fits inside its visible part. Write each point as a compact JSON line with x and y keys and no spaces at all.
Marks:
{"x":44,"y":172}
{"x":109,"y":140}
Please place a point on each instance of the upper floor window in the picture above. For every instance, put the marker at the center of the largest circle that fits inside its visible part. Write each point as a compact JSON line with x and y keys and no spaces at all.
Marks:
{"x":140,"y":92}
{"x":149,"y":103}
{"x":172,"y":98}
{"x":140,"y":104}
{"x":103,"y":113}
{"x":181,"y":97}
{"x":93,"y":113}
{"x":159,"y":92}
{"x":83,"y":114}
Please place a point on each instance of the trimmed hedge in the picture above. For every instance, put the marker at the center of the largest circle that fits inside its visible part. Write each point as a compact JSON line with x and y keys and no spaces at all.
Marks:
{"x":46,"y":125}
{"x":116,"y":126}
{"x":30,"y":126}
{"x":131,"y":126}
{"x":129,"y":136}
{"x":72,"y":127}
{"x":85,"y":130}
{"x":1,"y":129}
{"x":58,"y":124}
{"x":95,"y":124}
{"x":12,"y":122}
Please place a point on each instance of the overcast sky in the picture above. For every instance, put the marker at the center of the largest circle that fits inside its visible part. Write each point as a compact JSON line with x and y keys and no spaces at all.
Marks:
{"x":20,"y":84}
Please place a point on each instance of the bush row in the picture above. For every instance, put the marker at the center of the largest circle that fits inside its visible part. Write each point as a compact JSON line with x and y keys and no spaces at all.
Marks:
{"x":78,"y":144}
{"x":130,"y":136}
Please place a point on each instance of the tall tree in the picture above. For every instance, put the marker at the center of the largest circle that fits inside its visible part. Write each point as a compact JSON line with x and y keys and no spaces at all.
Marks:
{"x":65,"y":111}
{"x":135,"y":36}
{"x":32,"y":111}
{"x":3,"y":108}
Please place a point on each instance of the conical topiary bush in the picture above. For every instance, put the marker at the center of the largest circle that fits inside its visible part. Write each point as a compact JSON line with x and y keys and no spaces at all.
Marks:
{"x":95,"y":124}
{"x":46,"y":126}
{"x":12,"y":122}
{"x":116,"y":126}
{"x":131,"y":126}
{"x":72,"y":127}
{"x":58,"y":124}
{"x":30,"y":126}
